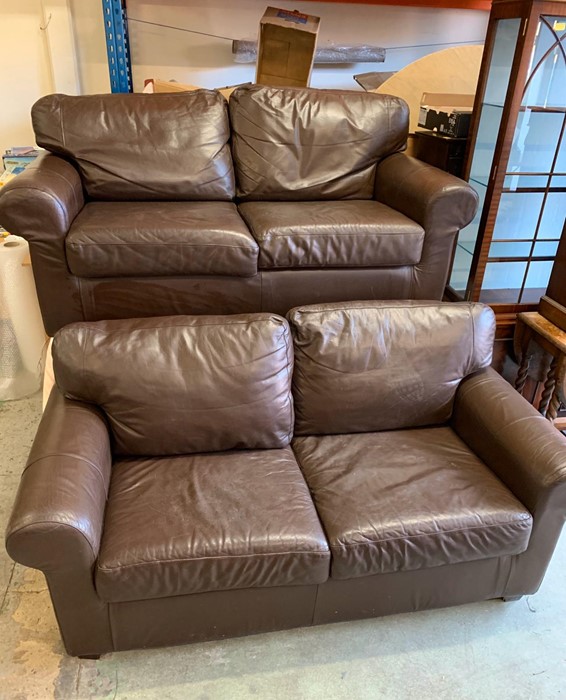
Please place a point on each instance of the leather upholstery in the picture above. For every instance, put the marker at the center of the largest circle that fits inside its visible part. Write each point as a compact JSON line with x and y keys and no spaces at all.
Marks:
{"x":440,"y":203}
{"x":40,"y":205}
{"x":332,"y":234}
{"x":58,"y":517}
{"x":302,"y":145}
{"x":368,"y":366}
{"x":217,"y":521}
{"x":297,"y":144}
{"x":408,"y":499}
{"x":179,"y":385}
{"x":282,"y":290}
{"x":141,"y":550}
{"x":124,"y":239}
{"x":527,"y":453}
{"x":142,"y":147}
{"x":142,"y":297}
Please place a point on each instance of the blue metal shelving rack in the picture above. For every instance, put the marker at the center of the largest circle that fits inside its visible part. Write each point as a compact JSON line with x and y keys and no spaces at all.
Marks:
{"x":117,"y":45}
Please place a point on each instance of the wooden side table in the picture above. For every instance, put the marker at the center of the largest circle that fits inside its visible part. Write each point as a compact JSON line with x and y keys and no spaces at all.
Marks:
{"x":444,"y":152}
{"x":532,"y":327}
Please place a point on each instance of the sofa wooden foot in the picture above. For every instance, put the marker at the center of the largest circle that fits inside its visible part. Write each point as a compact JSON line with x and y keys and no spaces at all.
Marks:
{"x":511,"y":598}
{"x":95,"y":657}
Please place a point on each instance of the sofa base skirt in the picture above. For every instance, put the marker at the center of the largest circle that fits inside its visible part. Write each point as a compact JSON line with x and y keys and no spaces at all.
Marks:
{"x":275,"y":291}
{"x":222,"y":614}
{"x":411,"y":591}
{"x":208,"y":616}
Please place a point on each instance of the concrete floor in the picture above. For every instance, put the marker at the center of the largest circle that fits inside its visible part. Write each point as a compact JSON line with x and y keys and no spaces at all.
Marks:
{"x":489,"y":650}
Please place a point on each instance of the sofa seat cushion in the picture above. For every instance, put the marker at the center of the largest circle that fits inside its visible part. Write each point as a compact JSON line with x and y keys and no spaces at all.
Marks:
{"x":408,"y":499}
{"x":207,"y":522}
{"x":361,"y":233}
{"x":120,"y":239}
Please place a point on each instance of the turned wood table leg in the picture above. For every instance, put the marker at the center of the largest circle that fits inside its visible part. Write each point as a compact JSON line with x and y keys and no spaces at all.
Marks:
{"x":525,"y":336}
{"x":554,"y":403}
{"x":549,"y":387}
{"x":523,"y":373}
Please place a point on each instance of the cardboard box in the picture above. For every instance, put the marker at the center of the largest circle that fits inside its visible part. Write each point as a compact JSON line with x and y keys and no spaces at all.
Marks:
{"x":448,"y":113}
{"x":287,"y":42}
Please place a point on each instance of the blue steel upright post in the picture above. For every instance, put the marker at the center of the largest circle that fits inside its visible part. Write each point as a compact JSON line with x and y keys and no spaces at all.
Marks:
{"x":117,"y":45}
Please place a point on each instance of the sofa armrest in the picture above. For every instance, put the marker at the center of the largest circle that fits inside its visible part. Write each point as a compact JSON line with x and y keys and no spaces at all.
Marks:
{"x":436,"y":200}
{"x":58,"y":514}
{"x":441,"y":203}
{"x":40,"y":205}
{"x":42,"y":202}
{"x":522,"y":447}
{"x":528,"y":454}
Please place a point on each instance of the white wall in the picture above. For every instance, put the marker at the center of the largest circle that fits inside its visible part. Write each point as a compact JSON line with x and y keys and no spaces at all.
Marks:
{"x":36,"y":62}
{"x":25,"y":71}
{"x":90,"y":45}
{"x":168,"y":53}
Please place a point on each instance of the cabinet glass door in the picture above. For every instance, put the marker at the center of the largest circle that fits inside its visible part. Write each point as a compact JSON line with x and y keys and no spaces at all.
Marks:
{"x":506,"y":34}
{"x":533,"y":203}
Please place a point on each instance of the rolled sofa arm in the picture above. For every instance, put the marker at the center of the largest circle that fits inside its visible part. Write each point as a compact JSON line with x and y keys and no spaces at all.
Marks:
{"x":42,"y":202}
{"x":527,"y":453}
{"x":441,"y":203}
{"x":40,"y":205}
{"x":58,"y":515}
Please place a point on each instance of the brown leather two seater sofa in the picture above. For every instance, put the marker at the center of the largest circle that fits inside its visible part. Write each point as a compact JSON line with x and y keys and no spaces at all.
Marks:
{"x":208,"y":476}
{"x":150,"y":205}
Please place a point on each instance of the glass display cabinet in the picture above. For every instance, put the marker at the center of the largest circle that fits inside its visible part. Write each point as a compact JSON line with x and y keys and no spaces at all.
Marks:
{"x":516,"y":159}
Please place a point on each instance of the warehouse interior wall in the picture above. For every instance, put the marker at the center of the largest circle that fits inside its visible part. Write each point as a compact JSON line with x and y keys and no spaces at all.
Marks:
{"x":59,"y":45}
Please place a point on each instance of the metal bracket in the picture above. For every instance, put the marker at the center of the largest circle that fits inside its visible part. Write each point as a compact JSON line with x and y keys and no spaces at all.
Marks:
{"x":118,"y":45}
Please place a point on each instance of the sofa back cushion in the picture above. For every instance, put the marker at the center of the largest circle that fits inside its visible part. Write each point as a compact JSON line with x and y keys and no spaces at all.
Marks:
{"x":371,"y":366}
{"x":301,"y":143}
{"x":168,"y":146}
{"x":183,"y":384}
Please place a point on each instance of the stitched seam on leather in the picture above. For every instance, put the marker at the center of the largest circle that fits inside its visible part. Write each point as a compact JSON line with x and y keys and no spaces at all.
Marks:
{"x":98,"y":244}
{"x":473,"y":348}
{"x":62,"y":122}
{"x":519,"y":522}
{"x":65,"y":454}
{"x":315,"y":552}
{"x":346,"y":266}
{"x":200,"y":325}
{"x":53,"y":173}
{"x":267,"y":236}
{"x":110,"y":627}
{"x":348,"y":307}
{"x":315,"y":602}
{"x":83,"y":368}
{"x":289,"y":379}
{"x":80,"y":283}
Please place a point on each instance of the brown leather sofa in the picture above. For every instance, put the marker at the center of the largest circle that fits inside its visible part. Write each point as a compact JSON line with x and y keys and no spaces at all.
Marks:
{"x":151,"y":205}
{"x":187,"y":483}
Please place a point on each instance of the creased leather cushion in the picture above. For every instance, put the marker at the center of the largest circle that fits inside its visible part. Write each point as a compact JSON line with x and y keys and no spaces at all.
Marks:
{"x":370,"y":365}
{"x":332,"y":234}
{"x":166,"y":146}
{"x":183,"y":384}
{"x":302,"y":143}
{"x":209,"y":522}
{"x":408,"y":499}
{"x":124,"y":239}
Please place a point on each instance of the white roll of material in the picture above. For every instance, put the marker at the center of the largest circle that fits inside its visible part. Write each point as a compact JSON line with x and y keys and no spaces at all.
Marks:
{"x":22,"y":338}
